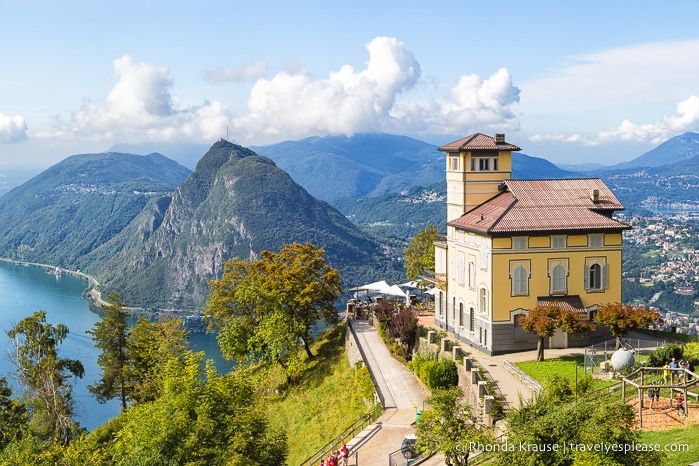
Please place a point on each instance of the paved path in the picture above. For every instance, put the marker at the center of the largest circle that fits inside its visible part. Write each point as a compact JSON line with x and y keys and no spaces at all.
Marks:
{"x":400,"y":389}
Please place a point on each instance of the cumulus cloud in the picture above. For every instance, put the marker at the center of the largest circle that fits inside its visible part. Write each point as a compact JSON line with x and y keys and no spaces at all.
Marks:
{"x":292,"y":105}
{"x":12,"y":128}
{"x":253,"y":70}
{"x":686,"y":118}
{"x":141,"y":106}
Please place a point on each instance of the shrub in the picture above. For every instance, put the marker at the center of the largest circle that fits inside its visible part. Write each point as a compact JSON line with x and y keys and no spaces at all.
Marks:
{"x":442,"y":374}
{"x":662,"y":355}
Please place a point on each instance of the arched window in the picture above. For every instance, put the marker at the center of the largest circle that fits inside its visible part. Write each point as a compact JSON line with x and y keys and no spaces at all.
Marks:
{"x":484,"y":255}
{"x":558,"y":279}
{"x":595,"y":276}
{"x":520,"y":280}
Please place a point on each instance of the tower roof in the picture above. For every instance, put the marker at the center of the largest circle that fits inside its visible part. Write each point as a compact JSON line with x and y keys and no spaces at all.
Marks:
{"x":524,"y":206}
{"x":479,"y":141}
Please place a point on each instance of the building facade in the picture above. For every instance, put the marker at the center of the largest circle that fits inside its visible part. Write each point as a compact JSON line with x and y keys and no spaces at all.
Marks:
{"x":512,"y":245}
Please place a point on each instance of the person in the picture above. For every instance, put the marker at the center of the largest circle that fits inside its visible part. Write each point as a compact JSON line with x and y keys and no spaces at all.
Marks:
{"x":666,"y":373}
{"x":322,"y":462}
{"x":690,"y":368}
{"x":344,"y":452}
{"x":680,"y":374}
{"x":680,"y":404}
{"x":673,"y":365}
{"x":657,"y":395}
{"x":651,"y":396}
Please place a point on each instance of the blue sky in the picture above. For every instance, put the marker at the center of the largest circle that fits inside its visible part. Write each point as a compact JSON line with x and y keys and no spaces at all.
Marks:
{"x":572,"y":82}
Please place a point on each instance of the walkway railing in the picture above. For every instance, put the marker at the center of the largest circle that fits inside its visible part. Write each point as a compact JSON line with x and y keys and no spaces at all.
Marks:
{"x":343,"y":437}
{"x":377,"y":392}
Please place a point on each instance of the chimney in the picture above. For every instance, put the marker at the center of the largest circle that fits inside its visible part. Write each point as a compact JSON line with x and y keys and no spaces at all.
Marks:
{"x":499,"y":138}
{"x":594,"y":195}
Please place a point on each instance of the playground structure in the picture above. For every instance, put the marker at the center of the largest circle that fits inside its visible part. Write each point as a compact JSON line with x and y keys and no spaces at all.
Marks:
{"x":676,"y":384}
{"x":598,"y":357}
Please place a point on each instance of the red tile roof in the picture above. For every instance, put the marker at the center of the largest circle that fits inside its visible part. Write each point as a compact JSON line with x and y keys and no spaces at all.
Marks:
{"x":544,"y":206}
{"x":572,"y":303}
{"x":477,"y":141}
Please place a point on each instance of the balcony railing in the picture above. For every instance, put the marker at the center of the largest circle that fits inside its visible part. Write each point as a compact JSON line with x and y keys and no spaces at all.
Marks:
{"x":433,"y":277}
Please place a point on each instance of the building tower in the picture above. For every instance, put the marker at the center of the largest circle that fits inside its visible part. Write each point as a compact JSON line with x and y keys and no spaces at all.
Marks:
{"x":476,"y":165}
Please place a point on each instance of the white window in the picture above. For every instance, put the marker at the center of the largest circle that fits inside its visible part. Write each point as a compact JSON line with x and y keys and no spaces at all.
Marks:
{"x":519,"y":242}
{"x":596,"y":240}
{"x":558,"y":279}
{"x":520,"y":281}
{"x":484,"y":301}
{"x":596,"y":276}
{"x":454,"y":162}
{"x":461,"y":268}
{"x":471,"y":272}
{"x":484,"y":255}
{"x":558,"y":242}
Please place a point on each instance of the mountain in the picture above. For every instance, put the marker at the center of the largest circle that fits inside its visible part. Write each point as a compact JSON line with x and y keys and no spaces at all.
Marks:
{"x":403,"y":214}
{"x":235,"y":204}
{"x":674,"y":150}
{"x":68,"y":210}
{"x":363,"y":165}
{"x":187,"y":154}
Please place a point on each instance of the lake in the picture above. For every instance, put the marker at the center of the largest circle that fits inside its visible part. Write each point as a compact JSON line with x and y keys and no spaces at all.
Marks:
{"x":27,"y":289}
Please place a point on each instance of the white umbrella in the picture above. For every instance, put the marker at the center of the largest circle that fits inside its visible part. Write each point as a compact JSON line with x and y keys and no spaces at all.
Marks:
{"x":376,"y":286}
{"x":393,"y":290}
{"x":432,"y":291}
{"x":412,"y":284}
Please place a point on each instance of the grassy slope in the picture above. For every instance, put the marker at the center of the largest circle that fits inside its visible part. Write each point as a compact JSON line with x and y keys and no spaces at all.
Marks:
{"x":329,"y":397}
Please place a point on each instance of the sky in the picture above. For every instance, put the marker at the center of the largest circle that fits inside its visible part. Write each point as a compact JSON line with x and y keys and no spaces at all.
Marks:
{"x":572,"y":82}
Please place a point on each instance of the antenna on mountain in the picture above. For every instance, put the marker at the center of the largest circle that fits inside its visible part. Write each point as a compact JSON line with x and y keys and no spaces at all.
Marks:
{"x":226,"y":132}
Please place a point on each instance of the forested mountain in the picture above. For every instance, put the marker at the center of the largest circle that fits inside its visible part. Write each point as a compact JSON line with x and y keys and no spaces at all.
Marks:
{"x":672,"y":151}
{"x":235,"y":204}
{"x":363,"y":165}
{"x":67,"y":211}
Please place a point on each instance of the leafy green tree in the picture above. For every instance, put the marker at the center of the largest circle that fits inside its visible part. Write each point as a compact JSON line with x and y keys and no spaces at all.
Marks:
{"x":449,"y":427}
{"x":419,"y":254}
{"x":622,"y":318}
{"x":266,"y":309}
{"x":201,"y":418}
{"x":542,"y":433}
{"x":45,"y":376}
{"x":111,"y":335}
{"x":545,"y":320}
{"x":13,"y":415}
{"x":150,"y":346}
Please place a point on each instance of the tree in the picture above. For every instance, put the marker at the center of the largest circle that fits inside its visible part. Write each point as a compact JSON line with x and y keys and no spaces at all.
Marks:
{"x":13,"y":415}
{"x":266,"y":308}
{"x":419,"y":254}
{"x":622,"y":318}
{"x":544,"y":433}
{"x":201,"y":418}
{"x":403,"y":326}
{"x":449,"y":427}
{"x":111,"y":335}
{"x":545,"y":320}
{"x":45,"y":376}
{"x":150,"y":346}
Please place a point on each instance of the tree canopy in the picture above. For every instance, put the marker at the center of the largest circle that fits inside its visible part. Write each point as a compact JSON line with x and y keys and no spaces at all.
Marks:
{"x":419,"y":254}
{"x":266,"y":309}
{"x":622,"y":318}
{"x":45,"y":376}
{"x":545,"y":320}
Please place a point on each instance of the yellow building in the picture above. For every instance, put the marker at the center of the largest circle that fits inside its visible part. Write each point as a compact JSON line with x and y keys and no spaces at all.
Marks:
{"x":514,"y":244}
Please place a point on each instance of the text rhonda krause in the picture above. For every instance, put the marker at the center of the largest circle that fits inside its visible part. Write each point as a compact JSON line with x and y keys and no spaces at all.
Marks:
{"x":474,"y":447}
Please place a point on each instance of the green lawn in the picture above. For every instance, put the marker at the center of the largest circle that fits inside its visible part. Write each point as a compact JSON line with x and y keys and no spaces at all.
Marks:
{"x":675,"y":439}
{"x":328,"y":397}
{"x":565,"y":367}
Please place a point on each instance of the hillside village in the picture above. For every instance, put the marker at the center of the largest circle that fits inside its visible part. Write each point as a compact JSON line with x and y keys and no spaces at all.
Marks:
{"x":669,"y":245}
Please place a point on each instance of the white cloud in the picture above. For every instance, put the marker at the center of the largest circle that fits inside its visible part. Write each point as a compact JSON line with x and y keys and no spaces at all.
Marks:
{"x":12,"y":128}
{"x":248,"y":72}
{"x":686,"y":118}
{"x":292,"y":105}
{"x":141,"y":107}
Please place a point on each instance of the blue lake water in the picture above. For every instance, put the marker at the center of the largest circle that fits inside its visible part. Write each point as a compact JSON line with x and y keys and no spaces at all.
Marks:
{"x":27,"y":289}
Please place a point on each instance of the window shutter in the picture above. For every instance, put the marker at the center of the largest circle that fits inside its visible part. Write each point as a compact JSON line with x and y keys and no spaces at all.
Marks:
{"x":605,"y":276}
{"x":586,"y":274}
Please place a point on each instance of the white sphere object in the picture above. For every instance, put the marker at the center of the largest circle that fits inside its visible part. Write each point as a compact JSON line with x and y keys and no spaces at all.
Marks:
{"x":621,"y":359}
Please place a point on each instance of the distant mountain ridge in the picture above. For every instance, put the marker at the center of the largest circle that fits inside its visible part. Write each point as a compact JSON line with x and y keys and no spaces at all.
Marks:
{"x":235,"y":204}
{"x":71,"y":208}
{"x":676,"y":149}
